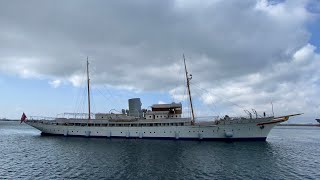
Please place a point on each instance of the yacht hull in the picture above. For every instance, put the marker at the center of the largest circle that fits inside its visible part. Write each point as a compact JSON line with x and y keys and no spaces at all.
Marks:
{"x":233,"y":132}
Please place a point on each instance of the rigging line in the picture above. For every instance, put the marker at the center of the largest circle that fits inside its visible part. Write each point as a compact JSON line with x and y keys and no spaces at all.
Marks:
{"x":219,"y":96}
{"x":98,"y":90}
{"x":219,"y":113}
{"x":186,"y":102}
{"x":79,"y":104}
{"x":199,"y":93}
{"x":92,"y":90}
{"x":114,"y":98}
{"x":83,"y":104}
{"x":93,"y":102}
{"x":81,"y":99}
{"x":205,"y":108}
{"x":94,"y":71}
{"x":79,"y":90}
{"x":178,"y":81}
{"x":110,"y":98}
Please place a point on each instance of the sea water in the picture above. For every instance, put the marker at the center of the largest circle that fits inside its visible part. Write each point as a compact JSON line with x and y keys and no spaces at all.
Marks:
{"x":288,"y":153}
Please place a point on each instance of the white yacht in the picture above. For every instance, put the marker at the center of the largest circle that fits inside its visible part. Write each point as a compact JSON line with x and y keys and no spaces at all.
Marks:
{"x":162,"y":121}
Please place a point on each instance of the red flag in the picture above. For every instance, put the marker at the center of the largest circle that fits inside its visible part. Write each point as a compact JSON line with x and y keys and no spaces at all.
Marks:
{"x":23,"y":118}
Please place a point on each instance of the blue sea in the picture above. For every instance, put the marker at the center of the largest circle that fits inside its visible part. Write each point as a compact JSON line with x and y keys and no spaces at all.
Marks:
{"x":288,"y":153}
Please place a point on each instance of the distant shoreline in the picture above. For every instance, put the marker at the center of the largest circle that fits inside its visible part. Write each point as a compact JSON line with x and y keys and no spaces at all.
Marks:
{"x":9,"y":120}
{"x":299,"y":125}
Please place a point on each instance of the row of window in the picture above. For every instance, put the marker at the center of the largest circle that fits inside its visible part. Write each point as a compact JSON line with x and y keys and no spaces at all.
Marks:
{"x":122,"y":132}
{"x":122,"y":125}
{"x":150,"y":116}
{"x":151,"y":132}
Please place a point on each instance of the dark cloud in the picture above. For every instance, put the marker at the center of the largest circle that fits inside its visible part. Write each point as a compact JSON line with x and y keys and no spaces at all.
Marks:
{"x":139,"y":44}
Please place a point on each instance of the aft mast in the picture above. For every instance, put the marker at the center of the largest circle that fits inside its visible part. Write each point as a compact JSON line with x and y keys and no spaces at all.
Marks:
{"x":189,"y":77}
{"x":88,"y":84}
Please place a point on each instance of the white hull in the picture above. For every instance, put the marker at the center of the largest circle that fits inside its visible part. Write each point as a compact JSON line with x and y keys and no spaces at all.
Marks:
{"x":233,"y":131}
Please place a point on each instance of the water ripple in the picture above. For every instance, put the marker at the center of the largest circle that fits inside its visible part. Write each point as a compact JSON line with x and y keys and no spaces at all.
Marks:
{"x":289,"y":153}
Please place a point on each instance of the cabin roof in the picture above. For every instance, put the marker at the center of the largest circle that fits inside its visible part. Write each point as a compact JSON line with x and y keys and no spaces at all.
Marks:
{"x":172,"y":105}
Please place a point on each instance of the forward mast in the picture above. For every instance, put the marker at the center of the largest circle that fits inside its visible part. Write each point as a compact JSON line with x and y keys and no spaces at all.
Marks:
{"x":88,"y":85}
{"x":189,"y":77}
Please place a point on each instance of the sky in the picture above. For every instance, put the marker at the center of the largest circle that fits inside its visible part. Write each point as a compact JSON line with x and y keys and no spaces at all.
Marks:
{"x":243,"y":55}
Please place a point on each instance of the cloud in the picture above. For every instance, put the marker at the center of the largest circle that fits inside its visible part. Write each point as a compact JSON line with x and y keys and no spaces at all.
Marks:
{"x":251,"y":52}
{"x":55,"y":83}
{"x":162,"y":102}
{"x":289,"y":85}
{"x":304,"y":54}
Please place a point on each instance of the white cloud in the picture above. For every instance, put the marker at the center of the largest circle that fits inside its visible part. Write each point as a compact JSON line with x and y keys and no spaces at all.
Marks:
{"x":55,"y":83}
{"x":76,"y":80}
{"x":161,"y":102}
{"x":304,"y":54}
